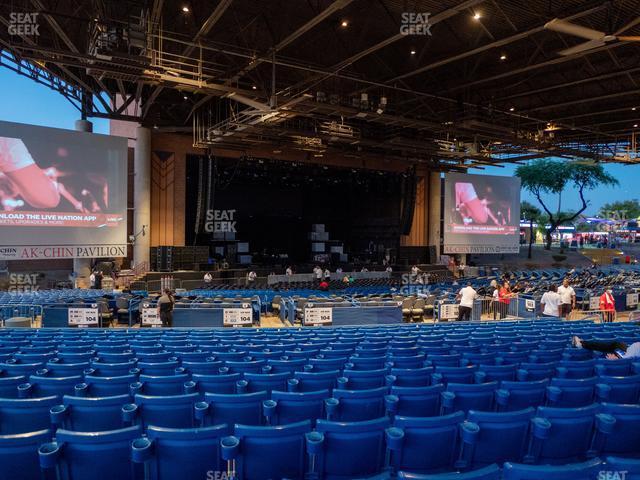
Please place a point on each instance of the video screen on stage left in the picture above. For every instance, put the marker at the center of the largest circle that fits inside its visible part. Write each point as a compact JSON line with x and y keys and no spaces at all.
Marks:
{"x":481,"y":214}
{"x":63,"y":194}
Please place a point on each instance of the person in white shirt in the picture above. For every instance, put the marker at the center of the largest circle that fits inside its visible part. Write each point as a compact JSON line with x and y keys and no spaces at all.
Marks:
{"x":338,"y":270}
{"x":92,"y":280}
{"x":364,"y":269}
{"x":550,"y":302}
{"x":208,"y":278}
{"x":251,"y":277}
{"x":327,"y":274}
{"x":289,"y":271}
{"x":568,"y":296}
{"x":318,"y":272}
{"x":466,"y":296}
{"x":388,"y":269}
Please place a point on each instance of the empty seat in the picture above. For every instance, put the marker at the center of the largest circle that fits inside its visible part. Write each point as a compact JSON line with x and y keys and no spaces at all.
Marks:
{"x":289,"y":366}
{"x":362,"y":380}
{"x":313,"y":381}
{"x":536,"y":371}
{"x":47,"y":386}
{"x":618,"y":368}
{"x":358,"y":362}
{"x":410,"y":377}
{"x":291,"y":407}
{"x":102,"y":369}
{"x":19,"y":454}
{"x":348,"y":450}
{"x":94,"y":386}
{"x":158,"y":369}
{"x":9,"y":386}
{"x":162,"y":385}
{"x":358,"y":405}
{"x":245,"y":408}
{"x":624,"y":439}
{"x":202,"y":368}
{"x":259,"y":382}
{"x":174,"y":411}
{"x":588,"y":470}
{"x":216,"y":383}
{"x":620,"y":389}
{"x":74,"y":453}
{"x":90,"y":414}
{"x":418,"y":401}
{"x":267,"y":452}
{"x":460,"y":396}
{"x":519,"y":395}
{"x":454,"y":374}
{"x":576,"y":368}
{"x":490,"y":373}
{"x":575,"y":392}
{"x":410,"y":435}
{"x":327,"y":364}
{"x":22,"y":415}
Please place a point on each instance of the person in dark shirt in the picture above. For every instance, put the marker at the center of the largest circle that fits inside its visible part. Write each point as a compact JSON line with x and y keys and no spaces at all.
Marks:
{"x":165,"y":306}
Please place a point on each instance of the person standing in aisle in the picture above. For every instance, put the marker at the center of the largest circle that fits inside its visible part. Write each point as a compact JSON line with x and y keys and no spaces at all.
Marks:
{"x":568,"y":297}
{"x":466,"y":296}
{"x":551,"y":303}
{"x":165,"y":308}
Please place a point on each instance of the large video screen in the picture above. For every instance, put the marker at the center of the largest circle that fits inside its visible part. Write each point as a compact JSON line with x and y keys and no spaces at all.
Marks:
{"x":63,"y":194}
{"x":481,"y":214}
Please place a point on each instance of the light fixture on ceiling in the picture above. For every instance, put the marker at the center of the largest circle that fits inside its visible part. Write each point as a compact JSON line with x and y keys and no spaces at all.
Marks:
{"x":477,"y":16}
{"x":633,"y":108}
{"x":185,"y":97}
{"x":511,"y":109}
{"x":503,"y":57}
{"x":413,"y":52}
{"x":254,"y":87}
{"x":635,"y":125}
{"x":344,"y":24}
{"x":155,"y":127}
{"x":185,"y":9}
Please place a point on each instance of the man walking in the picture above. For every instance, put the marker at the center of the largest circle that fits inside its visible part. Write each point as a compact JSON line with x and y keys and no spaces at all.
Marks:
{"x":567,"y":298}
{"x":466,"y":296}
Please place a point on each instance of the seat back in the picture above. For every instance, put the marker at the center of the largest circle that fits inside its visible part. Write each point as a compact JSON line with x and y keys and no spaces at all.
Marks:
{"x":314,"y":381}
{"x":25,"y":414}
{"x":245,"y":408}
{"x":91,"y":414}
{"x":175,"y":411}
{"x":454,"y":374}
{"x":292,"y":407}
{"x":460,"y":396}
{"x":625,"y":437}
{"x":9,"y":386}
{"x":158,"y":369}
{"x":216,"y":383}
{"x":362,"y":380}
{"x":491,"y":373}
{"x":512,"y":396}
{"x":107,"y":386}
{"x":588,"y":470}
{"x":572,"y":392}
{"x":160,"y":385}
{"x":412,"y":377}
{"x":260,"y":382}
{"x":202,"y":368}
{"x":356,"y":405}
{"x":623,"y":389}
{"x":349,"y":449}
{"x":418,"y":401}
{"x":19,"y":454}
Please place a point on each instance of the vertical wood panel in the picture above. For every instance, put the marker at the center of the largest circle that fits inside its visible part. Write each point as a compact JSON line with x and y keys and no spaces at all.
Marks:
{"x":418,"y":235}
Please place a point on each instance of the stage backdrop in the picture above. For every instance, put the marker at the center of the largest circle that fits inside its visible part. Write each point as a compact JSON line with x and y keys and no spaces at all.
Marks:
{"x":481,"y":214}
{"x":63,"y":194}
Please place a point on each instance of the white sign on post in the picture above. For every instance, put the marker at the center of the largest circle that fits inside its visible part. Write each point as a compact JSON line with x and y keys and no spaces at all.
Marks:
{"x":151,"y":316}
{"x":83,"y":317}
{"x":530,"y":305}
{"x":594,"y":303}
{"x":448,"y":311}
{"x":632,"y":299}
{"x":237,"y":317}
{"x":317,"y":316}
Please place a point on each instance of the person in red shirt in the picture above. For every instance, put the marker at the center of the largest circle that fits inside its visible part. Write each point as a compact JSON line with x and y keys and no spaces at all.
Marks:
{"x":504,"y":298}
{"x":608,"y":306}
{"x":324,"y":285}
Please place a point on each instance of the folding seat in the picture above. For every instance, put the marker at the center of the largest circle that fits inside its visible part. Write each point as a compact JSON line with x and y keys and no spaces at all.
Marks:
{"x":62,"y":369}
{"x":460,"y":396}
{"x":181,"y":452}
{"x":496,"y":437}
{"x":222,"y":383}
{"x":347,"y":450}
{"x":435,"y":349}
{"x":74,"y":454}
{"x":260,"y":382}
{"x":253,"y":366}
{"x":575,"y":392}
{"x":569,"y":433}
{"x":259,"y":452}
{"x":624,"y":439}
{"x":291,"y":407}
{"x":94,"y":386}
{"x":513,"y":358}
{"x":158,"y":369}
{"x":479,"y":359}
{"x":33,"y":357}
{"x":406,"y":351}
{"x":536,"y":371}
{"x":357,"y":405}
{"x":172,"y":411}
{"x":11,"y":368}
{"x":243,"y":408}
{"x":231,"y":356}
{"x":631,"y":467}
{"x":621,"y":389}
{"x":155,"y":357}
{"x":443,"y":360}
{"x":115,"y":357}
{"x":46,"y":386}
{"x":589,"y":470}
{"x":512,"y":396}
{"x":286,"y":365}
{"x":577,"y":354}
{"x":297,"y":354}
{"x":25,"y":414}
{"x":327,"y":364}
{"x":92,"y":414}
{"x":618,"y":368}
{"x":38,"y":348}
{"x":576,"y":368}
{"x":410,"y":377}
{"x":454,"y":374}
{"x":19,"y":454}
{"x":490,"y":373}
{"x":417,"y":401}
{"x":162,"y":385}
{"x":409,"y":362}
{"x":491,"y":472}
{"x":211,"y":367}
{"x":407,"y":439}
{"x":313,"y":381}
{"x":102,"y":369}
{"x":362,"y":379}
{"x":9,"y":386}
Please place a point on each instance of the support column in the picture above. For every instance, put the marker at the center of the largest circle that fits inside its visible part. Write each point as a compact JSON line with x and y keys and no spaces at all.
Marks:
{"x":82,"y":266}
{"x":142,"y":195}
{"x":434,"y":211}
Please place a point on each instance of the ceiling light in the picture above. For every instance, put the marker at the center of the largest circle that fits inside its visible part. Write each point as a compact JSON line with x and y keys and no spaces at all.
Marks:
{"x":476,"y":16}
{"x":155,"y":127}
{"x":635,"y":125}
{"x":413,"y":52}
{"x":185,"y":9}
{"x":633,"y":108}
{"x":254,"y":87}
{"x":185,"y":97}
{"x":511,"y":109}
{"x":344,"y":24}
{"x":503,"y":57}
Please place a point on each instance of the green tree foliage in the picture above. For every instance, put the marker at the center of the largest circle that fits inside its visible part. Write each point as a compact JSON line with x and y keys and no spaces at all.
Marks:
{"x":547,"y":176}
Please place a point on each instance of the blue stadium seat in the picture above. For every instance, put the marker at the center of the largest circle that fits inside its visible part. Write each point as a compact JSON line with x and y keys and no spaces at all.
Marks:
{"x":291,"y":407}
{"x":513,"y":358}
{"x":418,"y":401}
{"x":546,"y":356}
{"x":102,"y":369}
{"x":410,"y":362}
{"x":621,"y":389}
{"x":570,"y":433}
{"x":181,"y":452}
{"x":491,"y":373}
{"x":589,"y":470}
{"x":536,"y":371}
{"x":60,"y":369}
{"x":267,"y":452}
{"x":366,"y":363}
{"x":253,"y":366}
{"x":159,"y":369}
{"x":480,"y":359}
{"x":624,"y":439}
{"x":25,"y":414}
{"x":288,"y":366}
{"x":245,"y":408}
{"x":9,"y":386}
{"x":575,"y":392}
{"x":155,"y":357}
{"x":615,"y":368}
{"x":173,"y":411}
{"x":326,"y":364}
{"x":259,"y":382}
{"x":631,"y":467}
{"x":46,"y":386}
{"x":358,"y":405}
{"x":216,"y":383}
{"x":162,"y":385}
{"x":410,"y":377}
{"x":90,"y":414}
{"x":13,"y":369}
{"x":448,"y":360}
{"x":362,"y":379}
{"x":347,"y":450}
{"x":491,"y":472}
{"x":513,"y":396}
{"x":74,"y":456}
{"x":576,"y":368}
{"x":115,"y":356}
{"x":19,"y":454}
{"x":202,"y":368}
{"x":313,"y":381}
{"x":94,"y":386}
{"x":496,"y":437}
{"x":454,"y":374}
{"x":460,"y":396}
{"x":410,"y":436}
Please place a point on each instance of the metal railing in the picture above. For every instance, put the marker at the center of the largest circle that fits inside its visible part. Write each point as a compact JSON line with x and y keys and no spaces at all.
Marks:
{"x":601,"y":316}
{"x":33,"y":312}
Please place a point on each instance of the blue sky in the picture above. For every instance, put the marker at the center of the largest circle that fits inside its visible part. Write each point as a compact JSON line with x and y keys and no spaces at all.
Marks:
{"x":25,"y":101}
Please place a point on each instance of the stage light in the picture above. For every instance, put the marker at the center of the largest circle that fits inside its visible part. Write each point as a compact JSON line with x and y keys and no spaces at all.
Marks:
{"x":635,"y":125}
{"x":185,"y":97}
{"x":254,"y":87}
{"x":344,"y":24}
{"x":503,"y":57}
{"x":511,"y":109}
{"x":476,"y":16}
{"x":185,"y":9}
{"x":413,"y":52}
{"x":633,"y":108}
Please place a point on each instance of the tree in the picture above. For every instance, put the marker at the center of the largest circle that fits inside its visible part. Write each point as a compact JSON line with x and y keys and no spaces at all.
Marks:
{"x":530,"y":212}
{"x":546,"y":176}
{"x":623,"y":210}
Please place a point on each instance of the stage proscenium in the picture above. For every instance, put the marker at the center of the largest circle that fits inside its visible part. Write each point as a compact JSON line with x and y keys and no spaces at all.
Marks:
{"x":63,"y":194}
{"x":481,"y":214}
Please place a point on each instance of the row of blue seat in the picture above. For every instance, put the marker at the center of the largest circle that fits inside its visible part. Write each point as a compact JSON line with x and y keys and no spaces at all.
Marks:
{"x":333,"y":450}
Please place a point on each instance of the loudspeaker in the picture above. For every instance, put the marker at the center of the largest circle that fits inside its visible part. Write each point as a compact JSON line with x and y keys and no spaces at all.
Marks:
{"x":408,"y":203}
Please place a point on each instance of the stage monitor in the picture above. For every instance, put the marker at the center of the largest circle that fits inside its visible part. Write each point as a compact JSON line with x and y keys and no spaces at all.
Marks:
{"x":481,"y":214}
{"x":63,"y":194}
